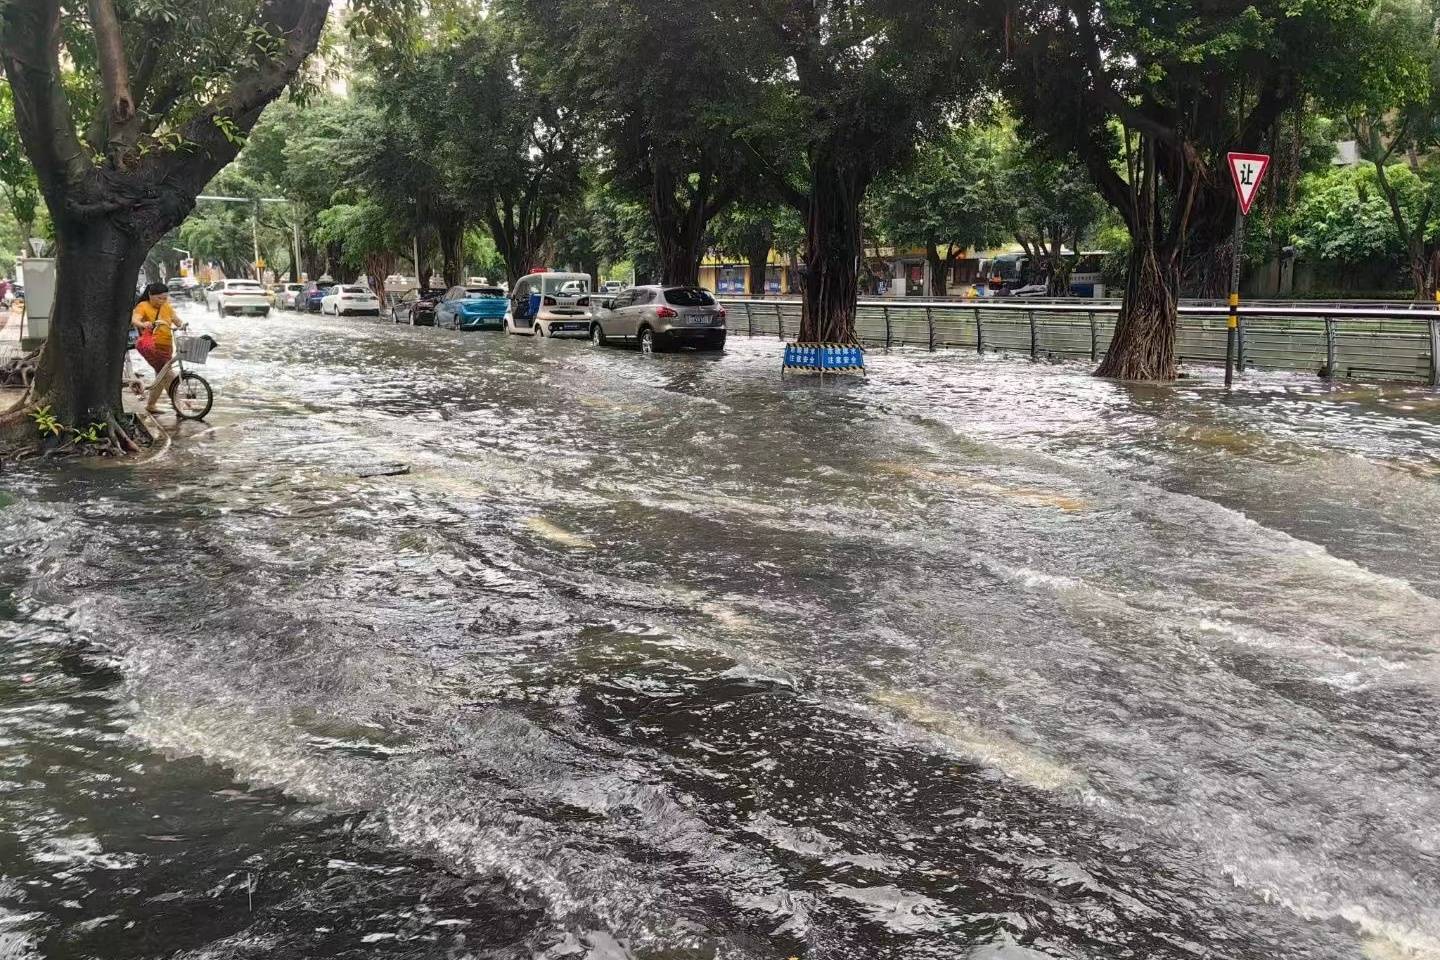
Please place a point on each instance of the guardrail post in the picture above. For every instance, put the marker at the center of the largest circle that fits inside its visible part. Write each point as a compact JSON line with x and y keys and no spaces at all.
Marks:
{"x":779,"y":320}
{"x":1330,"y":348}
{"x":1094,"y":338}
{"x":1435,"y":351}
{"x":930,"y":323}
{"x":887,"y":326}
{"x":979,"y":333}
{"x":1034,"y":346}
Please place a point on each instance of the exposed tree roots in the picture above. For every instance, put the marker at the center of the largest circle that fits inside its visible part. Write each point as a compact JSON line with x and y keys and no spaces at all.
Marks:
{"x":21,"y":437}
{"x":19,"y":372}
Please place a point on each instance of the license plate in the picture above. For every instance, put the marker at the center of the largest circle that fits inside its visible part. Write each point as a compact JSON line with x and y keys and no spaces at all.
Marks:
{"x":697,"y":320}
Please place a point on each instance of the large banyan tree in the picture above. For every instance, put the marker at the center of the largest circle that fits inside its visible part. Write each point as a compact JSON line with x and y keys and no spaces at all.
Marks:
{"x":847,"y":89}
{"x":126,"y":109}
{"x":1151,"y":95}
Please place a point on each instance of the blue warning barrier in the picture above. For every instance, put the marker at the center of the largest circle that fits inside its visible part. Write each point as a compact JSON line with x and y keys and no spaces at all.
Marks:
{"x":824,"y":358}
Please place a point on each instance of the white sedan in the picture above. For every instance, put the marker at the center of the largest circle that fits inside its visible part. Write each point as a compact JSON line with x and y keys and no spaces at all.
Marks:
{"x":346,"y":300}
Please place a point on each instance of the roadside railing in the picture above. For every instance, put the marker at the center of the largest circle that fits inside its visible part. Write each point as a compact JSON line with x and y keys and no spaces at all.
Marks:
{"x":1391,"y":341}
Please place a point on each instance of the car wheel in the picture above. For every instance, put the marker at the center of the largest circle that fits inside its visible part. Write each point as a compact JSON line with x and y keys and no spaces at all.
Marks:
{"x":647,"y":340}
{"x":539,"y":331}
{"x":265,"y":315}
{"x":597,"y":336}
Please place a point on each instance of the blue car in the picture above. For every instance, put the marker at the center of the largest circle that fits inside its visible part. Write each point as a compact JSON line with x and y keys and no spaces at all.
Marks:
{"x":313,"y":298}
{"x":472,"y":308}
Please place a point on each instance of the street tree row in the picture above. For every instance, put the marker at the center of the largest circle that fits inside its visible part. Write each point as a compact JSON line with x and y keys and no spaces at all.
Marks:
{"x":490,"y":115}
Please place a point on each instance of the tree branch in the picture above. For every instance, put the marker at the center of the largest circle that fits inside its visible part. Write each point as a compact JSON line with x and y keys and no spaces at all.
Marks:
{"x":210,"y":140}
{"x":780,"y":183}
{"x":115,"y":76}
{"x":30,"y":55}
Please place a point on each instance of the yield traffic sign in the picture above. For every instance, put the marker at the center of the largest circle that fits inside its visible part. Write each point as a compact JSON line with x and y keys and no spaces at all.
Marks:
{"x":1247,"y":170}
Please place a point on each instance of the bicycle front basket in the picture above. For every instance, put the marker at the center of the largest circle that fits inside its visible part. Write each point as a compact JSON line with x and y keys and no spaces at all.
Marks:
{"x":192,"y":349}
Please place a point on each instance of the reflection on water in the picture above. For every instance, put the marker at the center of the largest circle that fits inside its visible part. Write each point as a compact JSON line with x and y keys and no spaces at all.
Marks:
{"x":667,"y":658}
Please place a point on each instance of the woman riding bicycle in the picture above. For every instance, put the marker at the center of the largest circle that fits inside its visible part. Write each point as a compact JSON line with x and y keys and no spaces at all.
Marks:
{"x":155,"y":319}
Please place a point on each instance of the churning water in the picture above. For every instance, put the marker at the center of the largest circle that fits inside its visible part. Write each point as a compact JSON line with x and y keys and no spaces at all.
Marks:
{"x":669,"y":658}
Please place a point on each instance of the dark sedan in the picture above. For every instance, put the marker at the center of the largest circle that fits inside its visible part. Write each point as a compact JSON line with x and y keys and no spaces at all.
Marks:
{"x":417,"y":307}
{"x":314,"y":297}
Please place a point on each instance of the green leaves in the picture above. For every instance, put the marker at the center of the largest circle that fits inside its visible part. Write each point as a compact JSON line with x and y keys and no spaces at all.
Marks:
{"x":1344,"y":216}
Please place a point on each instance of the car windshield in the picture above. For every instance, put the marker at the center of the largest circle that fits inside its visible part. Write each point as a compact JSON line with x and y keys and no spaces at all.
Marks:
{"x":566,"y":286}
{"x":353,"y":290}
{"x":483,"y":293}
{"x":689,"y":297}
{"x":244,"y":285}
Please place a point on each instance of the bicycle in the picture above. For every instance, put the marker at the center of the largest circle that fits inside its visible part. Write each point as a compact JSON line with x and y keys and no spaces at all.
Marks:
{"x":190,"y":393}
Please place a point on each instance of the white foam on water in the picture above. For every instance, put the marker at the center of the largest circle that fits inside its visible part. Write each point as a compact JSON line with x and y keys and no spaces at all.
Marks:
{"x":987,"y":748}
{"x":557,"y":534}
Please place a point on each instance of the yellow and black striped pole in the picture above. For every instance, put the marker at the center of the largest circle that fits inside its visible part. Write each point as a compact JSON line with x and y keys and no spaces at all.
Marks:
{"x":1233,"y":322}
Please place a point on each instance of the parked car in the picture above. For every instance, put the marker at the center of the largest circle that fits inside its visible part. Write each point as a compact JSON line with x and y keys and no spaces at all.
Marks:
{"x":176,"y":286}
{"x":348,"y":299}
{"x":472,"y":308}
{"x":611,"y":287}
{"x":317,"y":296}
{"x":292,"y":296}
{"x":658,"y":318}
{"x":550,"y":305}
{"x":417,"y":307}
{"x":246,"y":297}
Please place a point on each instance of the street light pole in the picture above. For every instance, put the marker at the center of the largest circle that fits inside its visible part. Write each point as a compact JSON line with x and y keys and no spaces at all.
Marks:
{"x":255,"y":240}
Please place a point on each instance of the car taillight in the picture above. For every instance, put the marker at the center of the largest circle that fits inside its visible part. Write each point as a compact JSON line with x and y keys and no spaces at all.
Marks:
{"x":548,"y":301}
{"x":666,"y":313}
{"x":583,"y":302}
{"x":720,"y":312}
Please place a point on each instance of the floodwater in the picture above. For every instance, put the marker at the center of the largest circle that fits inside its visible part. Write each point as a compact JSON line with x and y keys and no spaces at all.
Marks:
{"x":669,"y":658}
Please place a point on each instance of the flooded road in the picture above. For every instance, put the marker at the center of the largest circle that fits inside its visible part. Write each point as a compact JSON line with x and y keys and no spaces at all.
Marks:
{"x":666,"y":657}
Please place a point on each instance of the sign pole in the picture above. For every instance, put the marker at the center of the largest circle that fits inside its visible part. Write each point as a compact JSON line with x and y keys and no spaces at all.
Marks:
{"x":1233,"y":323}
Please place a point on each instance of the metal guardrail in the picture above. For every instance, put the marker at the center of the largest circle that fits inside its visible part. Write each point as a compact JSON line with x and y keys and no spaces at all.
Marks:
{"x":1390,"y":342}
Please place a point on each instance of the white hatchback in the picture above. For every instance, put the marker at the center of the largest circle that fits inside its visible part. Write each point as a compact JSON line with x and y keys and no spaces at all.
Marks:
{"x":350,"y":299}
{"x":245,"y":297}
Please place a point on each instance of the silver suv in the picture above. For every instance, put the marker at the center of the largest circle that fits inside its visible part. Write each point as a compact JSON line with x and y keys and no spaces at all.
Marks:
{"x":658,"y":318}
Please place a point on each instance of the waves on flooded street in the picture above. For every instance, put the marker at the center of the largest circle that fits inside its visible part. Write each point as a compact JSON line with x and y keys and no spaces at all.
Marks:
{"x":663,"y":657}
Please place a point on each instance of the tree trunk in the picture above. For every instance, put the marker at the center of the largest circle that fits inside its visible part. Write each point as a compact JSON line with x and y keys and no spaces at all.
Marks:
{"x":452,"y":243}
{"x":680,"y":237}
{"x":1143,"y":347}
{"x":939,"y":283}
{"x":96,"y":267}
{"x":832,"y":250}
{"x":757,"y":259}
{"x":1422,"y":271}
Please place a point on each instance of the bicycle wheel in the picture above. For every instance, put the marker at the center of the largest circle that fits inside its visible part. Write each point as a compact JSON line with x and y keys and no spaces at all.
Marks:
{"x":191,"y":396}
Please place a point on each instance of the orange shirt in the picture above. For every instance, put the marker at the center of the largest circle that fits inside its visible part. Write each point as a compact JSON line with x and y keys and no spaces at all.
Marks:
{"x":164,"y":320}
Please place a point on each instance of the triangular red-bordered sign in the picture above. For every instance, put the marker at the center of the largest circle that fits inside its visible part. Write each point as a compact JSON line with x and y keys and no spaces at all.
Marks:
{"x":1247,"y":170}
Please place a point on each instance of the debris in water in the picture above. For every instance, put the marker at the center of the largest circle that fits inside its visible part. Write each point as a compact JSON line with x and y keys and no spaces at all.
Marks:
{"x":384,"y":470}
